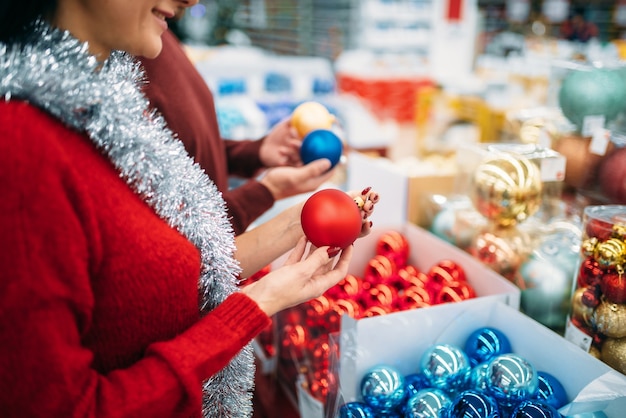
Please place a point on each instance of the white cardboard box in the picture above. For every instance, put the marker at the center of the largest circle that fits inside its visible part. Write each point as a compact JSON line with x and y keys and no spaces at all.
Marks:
{"x":426,"y":250}
{"x":399,"y":339}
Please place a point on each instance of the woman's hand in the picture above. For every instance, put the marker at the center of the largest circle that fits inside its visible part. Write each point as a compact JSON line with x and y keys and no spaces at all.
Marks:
{"x":366,"y":200}
{"x":307,"y":274}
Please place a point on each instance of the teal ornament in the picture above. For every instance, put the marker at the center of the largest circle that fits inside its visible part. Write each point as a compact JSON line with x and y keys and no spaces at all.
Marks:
{"x":382,"y":388}
{"x":511,"y":379}
{"x":592,"y":92}
{"x":535,"y":409}
{"x":485,"y":343}
{"x":550,"y":390}
{"x":356,"y":410}
{"x":545,"y":278}
{"x":321,"y":143}
{"x":446,"y":367}
{"x":472,"y":404}
{"x":427,"y":403}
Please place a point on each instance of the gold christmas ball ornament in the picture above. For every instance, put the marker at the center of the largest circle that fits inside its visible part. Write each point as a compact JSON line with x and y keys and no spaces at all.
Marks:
{"x":309,"y":116}
{"x":613,"y":353}
{"x":595,"y":352}
{"x":580,"y":311}
{"x":588,"y":246}
{"x":501,"y":249}
{"x":506,"y":189}
{"x":610,"y":319}
{"x":610,"y":253}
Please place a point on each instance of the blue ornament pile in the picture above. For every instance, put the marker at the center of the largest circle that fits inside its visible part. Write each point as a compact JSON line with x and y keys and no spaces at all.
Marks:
{"x":481,"y":379}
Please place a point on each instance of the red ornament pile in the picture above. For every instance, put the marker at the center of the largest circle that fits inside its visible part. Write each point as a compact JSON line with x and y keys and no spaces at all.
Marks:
{"x":389,"y":283}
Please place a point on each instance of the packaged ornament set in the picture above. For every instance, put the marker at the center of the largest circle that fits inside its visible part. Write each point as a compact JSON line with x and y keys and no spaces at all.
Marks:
{"x":597,"y":321}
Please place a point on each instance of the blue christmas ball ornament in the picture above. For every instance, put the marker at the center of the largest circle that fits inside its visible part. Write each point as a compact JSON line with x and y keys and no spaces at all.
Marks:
{"x":413,"y":383}
{"x":472,"y":404}
{"x":446,"y":367}
{"x":478,"y":377}
{"x":382,"y":388}
{"x":511,"y":379}
{"x":535,"y":409}
{"x":356,"y":410}
{"x":427,"y":403}
{"x":486,"y":343}
{"x":550,"y":390}
{"x":321,"y":143}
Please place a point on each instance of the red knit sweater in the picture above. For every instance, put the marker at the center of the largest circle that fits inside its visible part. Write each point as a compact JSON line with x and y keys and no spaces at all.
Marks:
{"x":178,"y":91}
{"x":99,"y":296}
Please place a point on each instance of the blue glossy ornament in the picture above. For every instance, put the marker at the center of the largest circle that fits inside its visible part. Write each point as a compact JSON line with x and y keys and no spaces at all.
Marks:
{"x":535,"y":409}
{"x":427,"y":403}
{"x":550,"y":390}
{"x":413,"y":383}
{"x":478,"y":377}
{"x":446,"y":367}
{"x":511,"y":379}
{"x":321,"y":143}
{"x":382,"y":388}
{"x":486,"y":343}
{"x":356,"y":410}
{"x":472,"y":404}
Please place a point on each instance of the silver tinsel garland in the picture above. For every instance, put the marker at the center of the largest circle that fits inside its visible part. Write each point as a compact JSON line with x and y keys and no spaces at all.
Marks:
{"x":54,"y":71}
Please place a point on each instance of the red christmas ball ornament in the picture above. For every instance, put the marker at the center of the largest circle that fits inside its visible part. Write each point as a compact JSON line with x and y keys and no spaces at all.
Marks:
{"x":395,"y":246}
{"x":331,"y":217}
{"x":447,"y":271}
{"x":348,"y":287}
{"x":613,"y":286}
{"x":293,"y":342}
{"x":455,"y":292}
{"x":321,"y":384}
{"x":412,"y":298}
{"x":315,"y":311}
{"x":375,"y":311}
{"x":612,"y":176}
{"x":379,"y":269}
{"x":591,"y":296}
{"x":589,"y":273}
{"x":598,"y":228}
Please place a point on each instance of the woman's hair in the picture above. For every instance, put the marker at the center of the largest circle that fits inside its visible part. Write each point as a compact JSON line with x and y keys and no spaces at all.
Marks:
{"x":15,"y":16}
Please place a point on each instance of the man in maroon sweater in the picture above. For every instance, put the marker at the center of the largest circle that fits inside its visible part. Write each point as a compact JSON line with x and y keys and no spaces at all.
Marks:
{"x":182,"y":96}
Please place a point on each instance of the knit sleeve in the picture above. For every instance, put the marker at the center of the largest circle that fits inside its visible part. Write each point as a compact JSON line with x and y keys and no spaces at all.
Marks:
{"x":47,"y":298}
{"x":243,"y":157}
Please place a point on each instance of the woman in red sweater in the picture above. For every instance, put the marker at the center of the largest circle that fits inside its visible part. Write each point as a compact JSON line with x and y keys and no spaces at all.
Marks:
{"x":118,"y":265}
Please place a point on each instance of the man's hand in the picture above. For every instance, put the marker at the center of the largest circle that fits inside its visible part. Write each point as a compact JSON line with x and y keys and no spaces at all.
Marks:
{"x":285,"y":182}
{"x":281,"y":146}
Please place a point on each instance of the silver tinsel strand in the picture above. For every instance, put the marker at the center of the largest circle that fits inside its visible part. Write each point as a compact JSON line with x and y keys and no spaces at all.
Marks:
{"x":54,"y":71}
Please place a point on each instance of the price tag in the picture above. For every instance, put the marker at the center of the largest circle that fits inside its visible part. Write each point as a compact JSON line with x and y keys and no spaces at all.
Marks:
{"x":553,"y":169}
{"x":544,"y":140}
{"x":592,"y":123}
{"x":600,"y":142}
{"x":576,"y":336}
